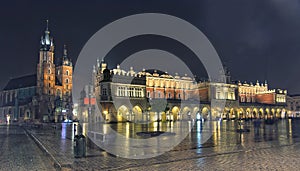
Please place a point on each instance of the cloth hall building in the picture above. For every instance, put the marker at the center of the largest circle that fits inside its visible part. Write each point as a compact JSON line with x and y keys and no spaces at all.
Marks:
{"x":126,"y":95}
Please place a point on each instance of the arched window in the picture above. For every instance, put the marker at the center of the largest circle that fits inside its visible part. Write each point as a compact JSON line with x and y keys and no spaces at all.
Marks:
{"x":67,"y":72}
{"x":49,"y":71}
{"x":67,"y":80}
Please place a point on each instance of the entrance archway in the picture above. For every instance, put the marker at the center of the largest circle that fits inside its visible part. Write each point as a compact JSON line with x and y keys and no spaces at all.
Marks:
{"x":232,"y":114}
{"x":267,"y":113}
{"x":123,"y":114}
{"x":186,"y":113}
{"x":205,"y":113}
{"x":255,"y":113}
{"x":241,"y":113}
{"x":175,"y":112}
{"x":248,"y":113}
{"x":278,"y":111}
{"x":137,"y":113}
{"x":273,"y":113}
{"x":260,"y":113}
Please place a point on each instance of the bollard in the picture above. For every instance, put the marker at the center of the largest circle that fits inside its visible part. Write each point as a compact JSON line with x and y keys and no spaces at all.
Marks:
{"x":79,"y":146}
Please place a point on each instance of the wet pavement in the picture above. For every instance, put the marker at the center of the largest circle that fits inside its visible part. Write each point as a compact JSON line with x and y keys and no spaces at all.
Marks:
{"x":267,"y":147}
{"x":19,"y":152}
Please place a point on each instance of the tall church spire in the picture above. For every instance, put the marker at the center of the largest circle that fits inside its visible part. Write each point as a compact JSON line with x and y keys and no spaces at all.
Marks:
{"x":47,"y":41}
{"x":65,"y":51}
{"x":47,"y":27}
{"x":65,"y":59}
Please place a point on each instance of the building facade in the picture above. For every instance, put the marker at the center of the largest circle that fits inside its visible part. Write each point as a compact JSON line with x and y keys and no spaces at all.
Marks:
{"x":127,"y":96}
{"x":44,"y":96}
{"x":293,"y":105}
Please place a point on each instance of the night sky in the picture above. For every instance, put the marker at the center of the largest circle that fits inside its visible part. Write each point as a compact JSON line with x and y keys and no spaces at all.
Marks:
{"x":256,"y":39}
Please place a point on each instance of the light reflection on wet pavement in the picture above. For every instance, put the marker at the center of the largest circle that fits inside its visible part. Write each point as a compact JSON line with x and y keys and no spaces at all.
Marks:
{"x":266,"y":147}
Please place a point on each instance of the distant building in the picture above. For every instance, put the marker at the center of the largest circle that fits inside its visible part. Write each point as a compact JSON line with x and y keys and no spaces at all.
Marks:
{"x":18,"y":99}
{"x":86,"y":105}
{"x":45,"y":96}
{"x":293,"y":105}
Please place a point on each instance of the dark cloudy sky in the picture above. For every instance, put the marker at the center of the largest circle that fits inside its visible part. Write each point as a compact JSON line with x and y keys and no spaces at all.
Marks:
{"x":256,"y":39}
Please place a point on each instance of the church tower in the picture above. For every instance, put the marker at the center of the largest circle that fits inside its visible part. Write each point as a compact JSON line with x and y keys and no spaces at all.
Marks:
{"x":46,"y":66}
{"x":64,"y":74}
{"x":46,"y":76}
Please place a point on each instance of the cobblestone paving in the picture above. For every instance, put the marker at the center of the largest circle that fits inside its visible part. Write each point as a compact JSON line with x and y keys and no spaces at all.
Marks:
{"x":272,"y":147}
{"x":279,"y":158}
{"x":19,"y":152}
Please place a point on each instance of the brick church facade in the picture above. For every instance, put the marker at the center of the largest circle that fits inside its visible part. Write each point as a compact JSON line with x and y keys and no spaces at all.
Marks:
{"x":46,"y":95}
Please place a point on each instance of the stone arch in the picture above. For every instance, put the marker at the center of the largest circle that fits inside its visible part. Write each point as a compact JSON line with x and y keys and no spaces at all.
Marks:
{"x":174,"y":114}
{"x":137,"y":113}
{"x":226,"y":113}
{"x":278,"y":112}
{"x":267,"y":113}
{"x":205,"y":112}
{"x":186,"y":113}
{"x":241,"y":113}
{"x":196,"y":113}
{"x":255,"y":113}
{"x":248,"y":113}
{"x":214,"y":113}
{"x":261,"y":113}
{"x":196,"y":110}
{"x":233,"y":113}
{"x":273,"y":113}
{"x":123,"y":114}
